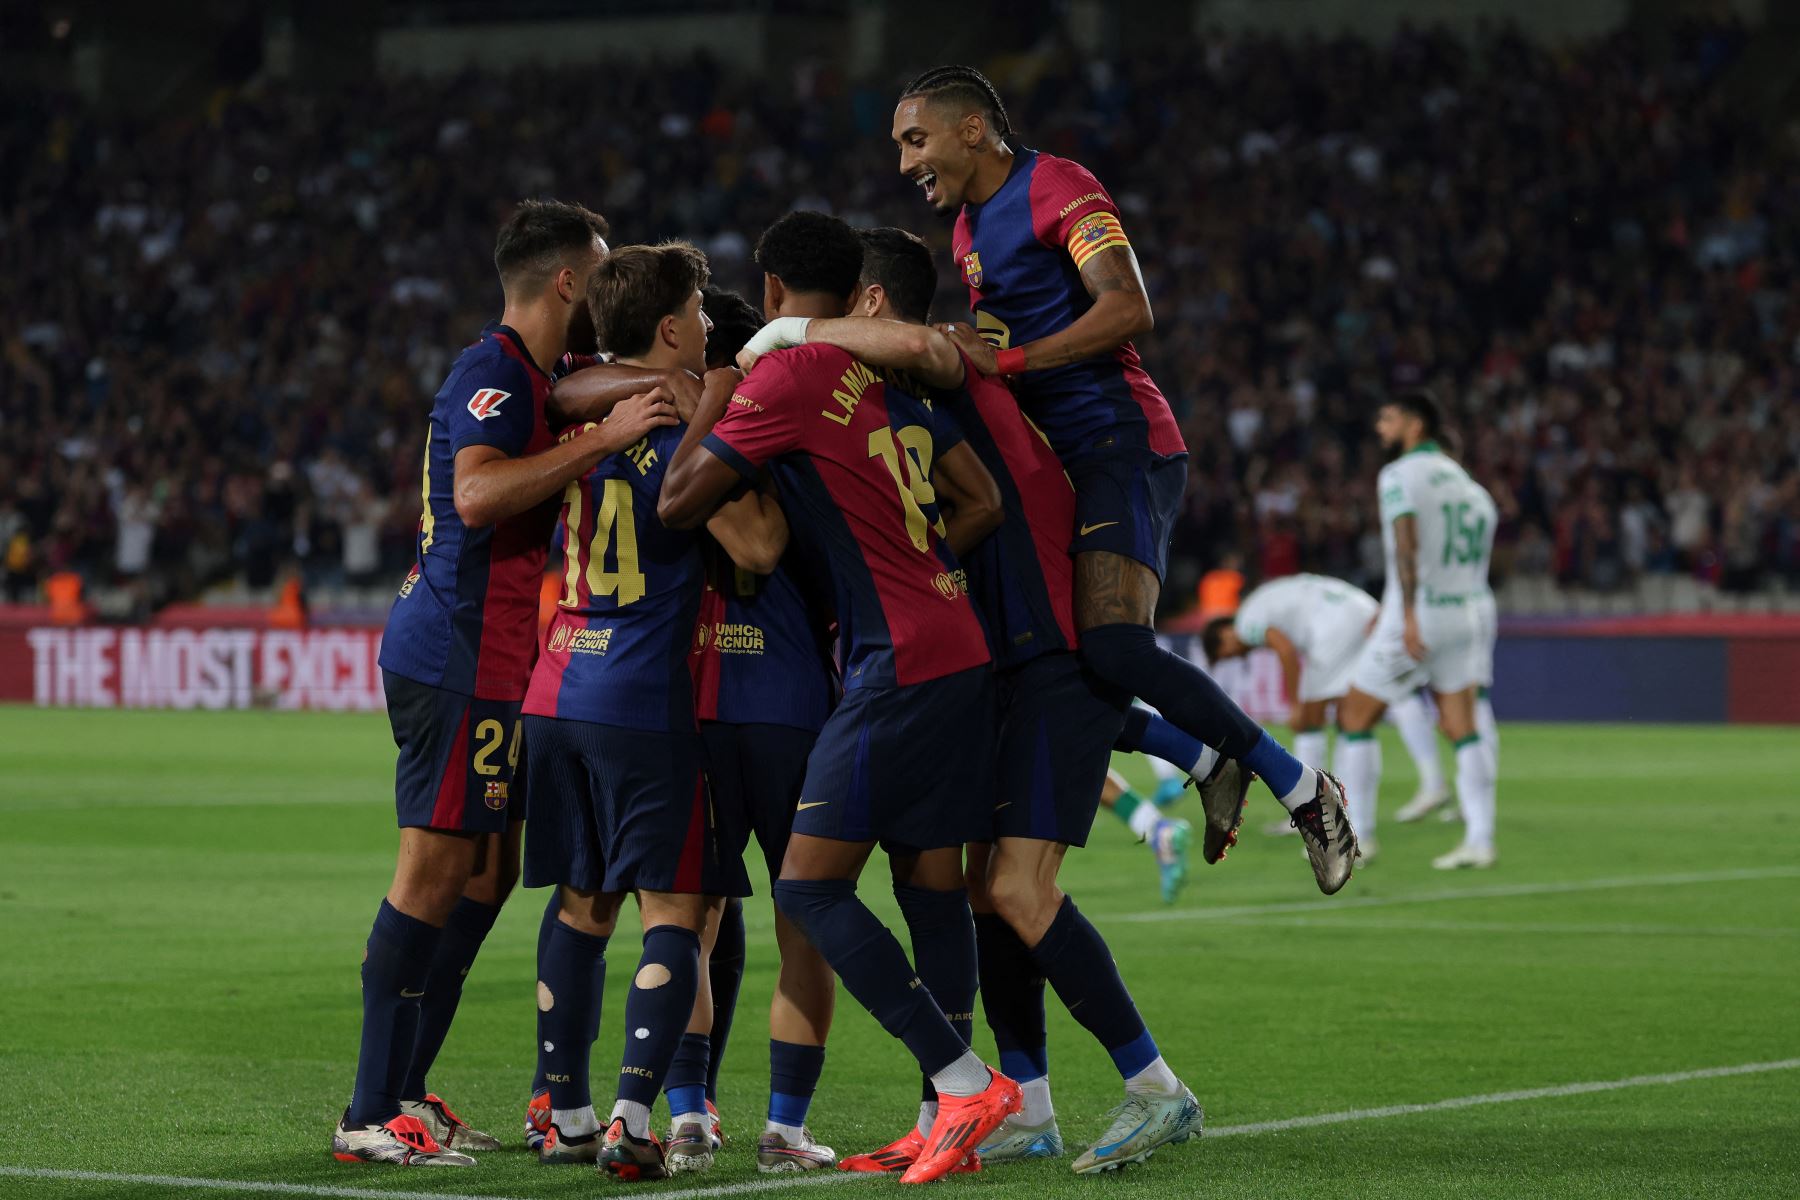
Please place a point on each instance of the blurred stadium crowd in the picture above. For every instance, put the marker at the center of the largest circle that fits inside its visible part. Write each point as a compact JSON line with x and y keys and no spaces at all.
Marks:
{"x":220,"y":335}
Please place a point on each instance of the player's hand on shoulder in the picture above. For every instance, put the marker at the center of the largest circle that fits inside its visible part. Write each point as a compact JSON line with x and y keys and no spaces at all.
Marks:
{"x":685,"y":392}
{"x":633,"y":418}
{"x":722,"y":380}
{"x":979,"y":352}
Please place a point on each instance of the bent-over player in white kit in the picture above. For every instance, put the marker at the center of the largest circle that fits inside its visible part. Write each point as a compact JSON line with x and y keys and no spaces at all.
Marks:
{"x":1436,"y":626}
{"x":1318,"y":626}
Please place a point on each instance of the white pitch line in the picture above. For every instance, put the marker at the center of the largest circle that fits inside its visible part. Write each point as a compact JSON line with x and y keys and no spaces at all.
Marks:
{"x":764,"y":1185}
{"x":1494,"y":892}
{"x":230,"y":1185}
{"x":1544,"y":1093}
{"x":1611,"y":930}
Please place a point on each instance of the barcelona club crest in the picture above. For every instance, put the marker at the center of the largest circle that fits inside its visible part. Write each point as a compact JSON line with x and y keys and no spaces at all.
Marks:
{"x":971,"y":264}
{"x":496,"y":795}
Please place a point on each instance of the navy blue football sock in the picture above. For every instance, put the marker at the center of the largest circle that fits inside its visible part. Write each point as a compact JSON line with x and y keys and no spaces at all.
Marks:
{"x":726,"y":972}
{"x":546,"y":924}
{"x":657,"y":1010}
{"x":396,"y":966}
{"x":872,"y":965}
{"x":1076,"y":961}
{"x":1012,"y":997}
{"x":793,"y":1078}
{"x":1147,"y":733}
{"x":1279,"y":769}
{"x":943,"y":941}
{"x":686,"y":1084}
{"x":1128,"y":657}
{"x":571,"y":985}
{"x":464,"y":932}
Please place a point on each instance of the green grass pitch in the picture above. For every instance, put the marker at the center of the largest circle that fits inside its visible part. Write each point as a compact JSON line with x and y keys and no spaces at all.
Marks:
{"x":183,"y":900}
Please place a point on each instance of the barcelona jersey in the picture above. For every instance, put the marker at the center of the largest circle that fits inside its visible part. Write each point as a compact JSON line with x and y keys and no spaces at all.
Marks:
{"x":1021,"y":252}
{"x":852,"y":459}
{"x":466,"y":617}
{"x":760,"y":656}
{"x":1021,"y":576}
{"x":615,"y":652}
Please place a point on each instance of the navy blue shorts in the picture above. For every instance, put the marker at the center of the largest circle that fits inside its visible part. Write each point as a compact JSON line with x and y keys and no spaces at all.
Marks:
{"x":1057,"y":729}
{"x":458,"y":769}
{"x":622,"y":810}
{"x":909,"y":767}
{"x":757,"y":772}
{"x":1126,"y":502}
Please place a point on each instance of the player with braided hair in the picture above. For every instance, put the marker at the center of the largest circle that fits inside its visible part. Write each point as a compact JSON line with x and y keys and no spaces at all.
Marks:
{"x":1057,"y":297}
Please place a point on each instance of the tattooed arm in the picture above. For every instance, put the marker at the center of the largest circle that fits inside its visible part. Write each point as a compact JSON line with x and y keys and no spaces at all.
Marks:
{"x":1406,"y":570}
{"x":1121,"y":312}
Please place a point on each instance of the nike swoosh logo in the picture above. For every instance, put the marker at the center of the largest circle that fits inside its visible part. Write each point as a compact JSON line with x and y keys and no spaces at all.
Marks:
{"x":810,"y":804}
{"x":1087,"y":529}
{"x":406,"y":995}
{"x":1104,"y":1150}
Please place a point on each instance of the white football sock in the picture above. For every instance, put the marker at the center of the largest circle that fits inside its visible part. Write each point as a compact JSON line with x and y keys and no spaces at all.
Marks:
{"x":1489,"y":729}
{"x":637,"y":1117}
{"x":1309,"y":748}
{"x":1304,"y":790}
{"x":1154,"y":1080}
{"x":1143,"y":823}
{"x":1208,"y":760}
{"x":793,"y":1134}
{"x":677,"y":1120}
{"x":575,"y":1122}
{"x":1413,"y":718}
{"x":1475,"y":792}
{"x":1038,"y":1110}
{"x":1162,"y":769}
{"x":927,"y":1117}
{"x":1359,"y":770}
{"x":968,"y":1075}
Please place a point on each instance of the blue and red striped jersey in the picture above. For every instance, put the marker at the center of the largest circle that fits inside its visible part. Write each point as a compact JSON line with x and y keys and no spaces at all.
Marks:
{"x":1021,"y":252}
{"x":762,"y":655}
{"x":1021,"y":575}
{"x":852,"y":458}
{"x":466,"y":617}
{"x":615,"y":652}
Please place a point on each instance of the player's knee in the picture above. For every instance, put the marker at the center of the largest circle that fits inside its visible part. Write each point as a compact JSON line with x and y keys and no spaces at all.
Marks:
{"x":807,"y":902}
{"x":1024,"y":901}
{"x":1115,"y":652}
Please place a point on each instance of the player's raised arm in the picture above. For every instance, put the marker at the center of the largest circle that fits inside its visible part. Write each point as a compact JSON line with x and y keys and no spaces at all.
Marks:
{"x":920,"y":350}
{"x":698,"y":479}
{"x":1120,"y":313}
{"x":590,"y":393}
{"x":491,"y":486}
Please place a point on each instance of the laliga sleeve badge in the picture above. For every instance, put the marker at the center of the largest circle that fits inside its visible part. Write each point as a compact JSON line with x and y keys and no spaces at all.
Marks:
{"x":486,"y":403}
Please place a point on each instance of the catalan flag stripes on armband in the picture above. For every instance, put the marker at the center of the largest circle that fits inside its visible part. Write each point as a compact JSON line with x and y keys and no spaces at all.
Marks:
{"x":1093,"y":234}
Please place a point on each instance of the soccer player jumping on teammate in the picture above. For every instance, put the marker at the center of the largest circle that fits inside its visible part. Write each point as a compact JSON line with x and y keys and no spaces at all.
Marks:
{"x":456,"y":655}
{"x":1057,"y":729}
{"x":1057,"y":298}
{"x":860,"y":468}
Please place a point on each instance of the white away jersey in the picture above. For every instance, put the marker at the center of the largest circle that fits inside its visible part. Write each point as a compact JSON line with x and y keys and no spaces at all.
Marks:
{"x":1318,"y":614}
{"x":1456,"y":519}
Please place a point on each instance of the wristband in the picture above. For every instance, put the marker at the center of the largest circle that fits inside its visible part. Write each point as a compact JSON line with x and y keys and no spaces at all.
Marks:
{"x":779,"y":334}
{"x":1010,"y":362}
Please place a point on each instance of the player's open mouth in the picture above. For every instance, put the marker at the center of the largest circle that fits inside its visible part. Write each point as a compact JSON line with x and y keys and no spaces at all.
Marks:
{"x":928,"y":184}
